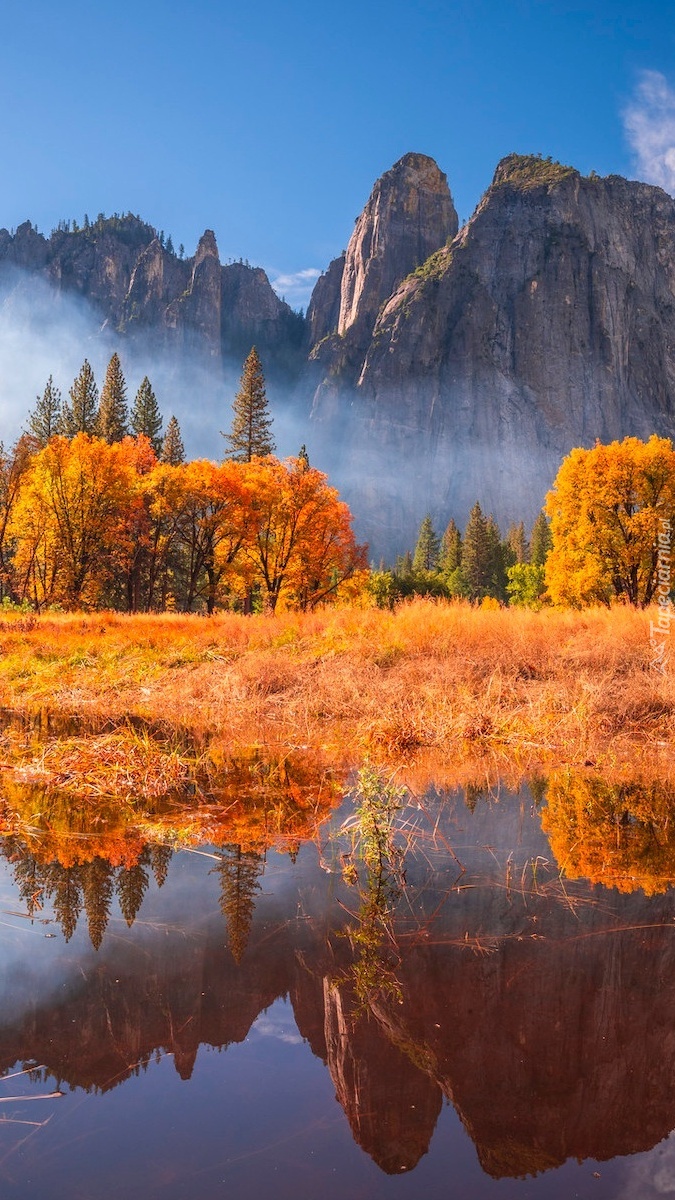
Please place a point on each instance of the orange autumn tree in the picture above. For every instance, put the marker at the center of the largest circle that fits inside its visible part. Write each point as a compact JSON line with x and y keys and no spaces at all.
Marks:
{"x":94,"y":524}
{"x":301,"y":544}
{"x":607,"y":508}
{"x":212,"y":524}
{"x":69,"y":520}
{"x":619,"y":834}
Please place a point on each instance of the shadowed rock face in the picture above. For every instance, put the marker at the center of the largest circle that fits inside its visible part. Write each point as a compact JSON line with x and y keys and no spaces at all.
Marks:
{"x":546,"y":1018}
{"x":143,"y":291}
{"x":549,"y":322}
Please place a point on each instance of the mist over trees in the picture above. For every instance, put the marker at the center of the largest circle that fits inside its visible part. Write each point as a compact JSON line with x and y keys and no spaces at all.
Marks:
{"x":478,"y":566}
{"x":99,"y":508}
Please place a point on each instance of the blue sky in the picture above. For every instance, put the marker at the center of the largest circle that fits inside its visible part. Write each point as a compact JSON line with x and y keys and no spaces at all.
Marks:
{"x":269,"y":122}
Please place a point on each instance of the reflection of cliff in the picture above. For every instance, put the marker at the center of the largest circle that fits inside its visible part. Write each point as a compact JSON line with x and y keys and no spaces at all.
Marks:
{"x":544,"y":1016}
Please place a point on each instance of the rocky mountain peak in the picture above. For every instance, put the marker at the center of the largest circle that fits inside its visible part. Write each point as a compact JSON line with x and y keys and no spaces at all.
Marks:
{"x":409,"y":215}
{"x":207,"y":247}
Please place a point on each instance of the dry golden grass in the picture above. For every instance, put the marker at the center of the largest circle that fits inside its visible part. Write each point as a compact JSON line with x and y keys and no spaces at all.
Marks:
{"x":508,"y":686}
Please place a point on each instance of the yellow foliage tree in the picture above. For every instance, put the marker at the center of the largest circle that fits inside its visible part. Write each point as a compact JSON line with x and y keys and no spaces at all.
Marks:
{"x":607,"y":508}
{"x":619,"y":834}
{"x":68,"y":522}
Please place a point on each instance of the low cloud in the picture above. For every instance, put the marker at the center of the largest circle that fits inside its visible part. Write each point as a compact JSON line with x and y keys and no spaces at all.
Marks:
{"x":296,"y":288}
{"x":278,"y":1023}
{"x":649,"y":122}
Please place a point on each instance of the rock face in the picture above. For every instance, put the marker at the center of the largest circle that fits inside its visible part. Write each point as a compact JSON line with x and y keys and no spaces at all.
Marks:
{"x":323,"y":313}
{"x":408,"y":216}
{"x":144,"y":292}
{"x":548,"y":322}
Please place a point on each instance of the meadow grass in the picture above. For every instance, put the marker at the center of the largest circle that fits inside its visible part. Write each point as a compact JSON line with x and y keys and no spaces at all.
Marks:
{"x":430,"y":677}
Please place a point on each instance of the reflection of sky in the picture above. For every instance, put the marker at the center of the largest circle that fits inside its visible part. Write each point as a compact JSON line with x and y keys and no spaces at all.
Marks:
{"x":652,"y":1174}
{"x":277,"y":1022}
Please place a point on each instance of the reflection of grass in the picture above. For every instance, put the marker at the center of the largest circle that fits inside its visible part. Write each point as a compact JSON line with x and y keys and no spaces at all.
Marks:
{"x":373,"y":839}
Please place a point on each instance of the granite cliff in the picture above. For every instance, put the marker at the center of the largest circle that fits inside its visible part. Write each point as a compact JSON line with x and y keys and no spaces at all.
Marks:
{"x":548,"y":321}
{"x":142,"y":292}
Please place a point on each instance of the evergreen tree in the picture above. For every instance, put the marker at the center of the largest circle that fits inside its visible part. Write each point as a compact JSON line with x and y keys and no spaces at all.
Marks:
{"x":45,"y":419}
{"x":239,"y":872}
{"x":81,"y":415}
{"x":131,"y":886}
{"x":145,"y":416}
{"x":66,"y":897}
{"x":173,"y":450}
{"x":251,"y":424}
{"x":515,"y":549}
{"x":98,"y":892}
{"x":425,"y":557}
{"x":160,"y":857}
{"x":450,"y":555}
{"x":303,"y":457}
{"x":113,"y":414}
{"x":540,"y":541}
{"x":477,"y":557}
{"x":497,"y":585}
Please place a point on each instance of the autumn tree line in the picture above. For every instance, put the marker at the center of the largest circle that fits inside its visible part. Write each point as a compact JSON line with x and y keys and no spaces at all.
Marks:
{"x":99,"y":509}
{"x":605,"y":536}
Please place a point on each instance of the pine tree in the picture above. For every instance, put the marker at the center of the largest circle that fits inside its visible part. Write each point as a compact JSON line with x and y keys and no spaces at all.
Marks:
{"x":239,"y":872}
{"x":160,"y":857}
{"x":98,"y":892}
{"x":113,"y":414}
{"x":450,"y":554}
{"x":131,"y":885}
{"x":173,"y":450}
{"x":497,"y":585}
{"x":515,"y":549}
{"x":303,"y":457}
{"x":477,"y":554}
{"x":81,"y":415}
{"x":540,"y":541}
{"x":45,"y":419}
{"x":145,"y":416}
{"x":425,"y":557}
{"x":251,"y":424}
{"x":66,"y":897}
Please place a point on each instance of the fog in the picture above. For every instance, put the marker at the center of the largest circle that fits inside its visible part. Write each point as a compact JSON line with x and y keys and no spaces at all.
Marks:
{"x":390,"y":475}
{"x":44,"y":331}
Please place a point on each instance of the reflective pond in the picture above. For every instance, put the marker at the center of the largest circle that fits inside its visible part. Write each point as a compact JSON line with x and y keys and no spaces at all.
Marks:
{"x":424,"y":1006}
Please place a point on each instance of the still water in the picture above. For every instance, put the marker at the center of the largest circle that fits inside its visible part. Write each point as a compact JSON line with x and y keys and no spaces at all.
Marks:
{"x":223,"y":1022}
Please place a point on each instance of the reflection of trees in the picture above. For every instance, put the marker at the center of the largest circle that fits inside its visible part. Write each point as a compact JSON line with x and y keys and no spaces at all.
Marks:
{"x":618,"y":834}
{"x":239,"y":872}
{"x":79,"y":855}
{"x":131,"y":886}
{"x":89,"y":886}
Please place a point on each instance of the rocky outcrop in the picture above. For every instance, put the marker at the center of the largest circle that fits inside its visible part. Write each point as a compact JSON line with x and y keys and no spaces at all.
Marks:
{"x":548,"y":322}
{"x":323,"y":313}
{"x":143,"y":292}
{"x":196,"y":314}
{"x":409,"y":215}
